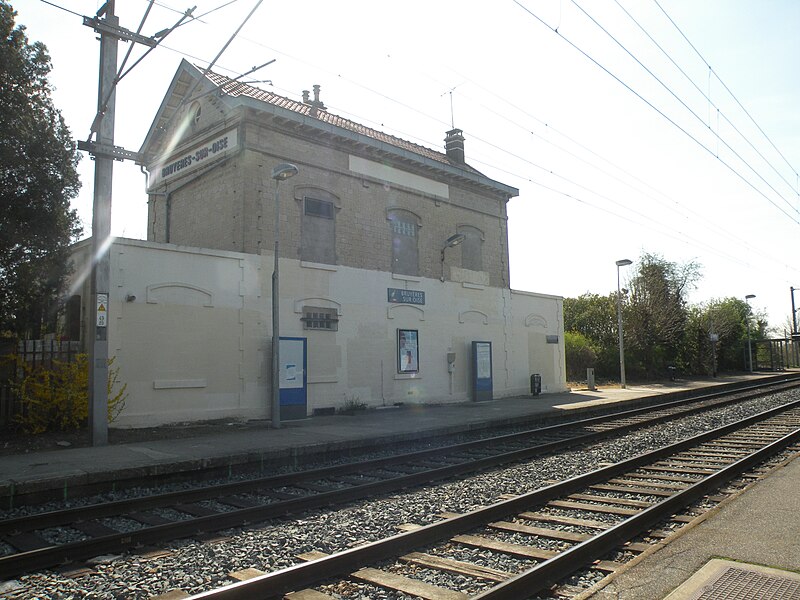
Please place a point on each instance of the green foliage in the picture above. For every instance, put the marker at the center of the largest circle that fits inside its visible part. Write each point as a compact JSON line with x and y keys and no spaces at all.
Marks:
{"x":57,"y":398}
{"x":655,"y":314}
{"x":595,"y":318}
{"x":38,"y":177}
{"x":581,"y":354}
{"x":661,"y":329}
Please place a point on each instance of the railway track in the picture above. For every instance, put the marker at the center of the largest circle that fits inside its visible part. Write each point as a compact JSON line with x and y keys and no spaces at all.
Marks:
{"x":598,"y":514}
{"x":176,"y":515}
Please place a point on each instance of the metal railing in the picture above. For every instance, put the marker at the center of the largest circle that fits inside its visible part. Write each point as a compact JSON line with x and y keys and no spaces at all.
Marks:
{"x":33,"y":354}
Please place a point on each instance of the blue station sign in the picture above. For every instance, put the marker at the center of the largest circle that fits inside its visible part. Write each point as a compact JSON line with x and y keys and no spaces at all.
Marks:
{"x":400,"y":296}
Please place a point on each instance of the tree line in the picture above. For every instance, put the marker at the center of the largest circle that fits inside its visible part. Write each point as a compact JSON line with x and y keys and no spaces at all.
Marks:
{"x":661,"y":328}
{"x":38,"y":178}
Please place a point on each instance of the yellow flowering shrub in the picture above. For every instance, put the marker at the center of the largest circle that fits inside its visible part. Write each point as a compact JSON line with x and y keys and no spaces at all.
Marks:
{"x":57,"y":398}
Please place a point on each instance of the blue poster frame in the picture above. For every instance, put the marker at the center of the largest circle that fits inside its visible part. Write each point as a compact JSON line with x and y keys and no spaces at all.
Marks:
{"x":481,"y":369}
{"x":294,"y":400}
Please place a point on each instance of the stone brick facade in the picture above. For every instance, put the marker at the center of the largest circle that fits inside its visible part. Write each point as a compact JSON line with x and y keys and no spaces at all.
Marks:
{"x":229,"y":204}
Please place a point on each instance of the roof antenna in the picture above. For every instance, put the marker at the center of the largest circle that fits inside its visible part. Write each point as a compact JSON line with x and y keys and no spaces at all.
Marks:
{"x":452,"y":115}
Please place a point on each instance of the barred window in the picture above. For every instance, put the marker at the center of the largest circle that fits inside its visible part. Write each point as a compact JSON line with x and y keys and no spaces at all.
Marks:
{"x":318,"y":242}
{"x":405,"y":252}
{"x":318,"y":208}
{"x":325,"y":319}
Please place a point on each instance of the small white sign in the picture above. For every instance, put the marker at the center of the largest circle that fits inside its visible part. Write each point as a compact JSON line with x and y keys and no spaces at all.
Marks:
{"x":102,"y":310}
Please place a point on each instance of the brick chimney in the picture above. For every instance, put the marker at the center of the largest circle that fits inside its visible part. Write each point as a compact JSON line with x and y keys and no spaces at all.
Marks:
{"x":315,"y":104}
{"x":454,"y":146}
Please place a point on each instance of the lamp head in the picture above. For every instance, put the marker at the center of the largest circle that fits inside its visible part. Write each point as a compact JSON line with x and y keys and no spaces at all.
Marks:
{"x":749,"y":296}
{"x":454,"y":240}
{"x":284,"y":171}
{"x":624,"y":262}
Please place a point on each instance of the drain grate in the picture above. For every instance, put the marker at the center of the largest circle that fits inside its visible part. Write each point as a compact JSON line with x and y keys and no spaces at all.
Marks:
{"x":735,"y":583}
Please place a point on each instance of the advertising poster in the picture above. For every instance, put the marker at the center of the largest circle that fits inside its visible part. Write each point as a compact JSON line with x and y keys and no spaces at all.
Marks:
{"x":407,"y":351}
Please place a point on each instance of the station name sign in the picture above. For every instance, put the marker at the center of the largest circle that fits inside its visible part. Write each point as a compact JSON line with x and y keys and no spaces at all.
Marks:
{"x":194,"y":158}
{"x":400,"y":296}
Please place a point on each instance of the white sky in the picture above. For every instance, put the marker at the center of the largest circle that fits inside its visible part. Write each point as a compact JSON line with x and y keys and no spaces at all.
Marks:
{"x":602,"y":175}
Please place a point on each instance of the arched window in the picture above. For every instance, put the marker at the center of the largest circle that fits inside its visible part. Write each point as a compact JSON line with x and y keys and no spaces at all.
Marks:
{"x":318,"y":227}
{"x":405,"y":248}
{"x":471,"y":248}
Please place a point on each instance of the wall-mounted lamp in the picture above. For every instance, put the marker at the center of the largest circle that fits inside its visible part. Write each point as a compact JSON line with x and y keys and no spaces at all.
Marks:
{"x":453,"y":240}
{"x":130,"y":298}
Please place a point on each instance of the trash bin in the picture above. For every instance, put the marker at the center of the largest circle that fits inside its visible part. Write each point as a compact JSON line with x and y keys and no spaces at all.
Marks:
{"x":536,"y":384}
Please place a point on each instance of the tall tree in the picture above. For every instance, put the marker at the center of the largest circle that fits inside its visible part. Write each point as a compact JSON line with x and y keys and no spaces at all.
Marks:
{"x":38,"y":178}
{"x":594,"y":317}
{"x":656,"y":312}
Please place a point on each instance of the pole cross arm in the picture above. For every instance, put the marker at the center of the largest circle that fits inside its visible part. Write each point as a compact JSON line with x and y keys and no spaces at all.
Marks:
{"x":107,"y":151}
{"x":120,"y":32}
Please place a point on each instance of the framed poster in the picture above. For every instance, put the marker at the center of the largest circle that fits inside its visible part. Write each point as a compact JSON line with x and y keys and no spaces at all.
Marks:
{"x":407,"y":351}
{"x":482,"y":383}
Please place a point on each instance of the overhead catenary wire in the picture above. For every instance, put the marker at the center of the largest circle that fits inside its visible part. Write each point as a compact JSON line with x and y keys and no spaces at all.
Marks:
{"x":694,"y":114}
{"x":659,"y":111}
{"x":339,"y":75}
{"x":384,"y":95}
{"x":711,"y":103}
{"x":711,"y":70}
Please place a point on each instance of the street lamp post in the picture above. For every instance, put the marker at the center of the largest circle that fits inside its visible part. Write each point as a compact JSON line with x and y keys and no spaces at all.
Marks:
{"x":453,"y":240}
{"x":749,"y":345}
{"x":621,"y":263}
{"x":279,"y":173}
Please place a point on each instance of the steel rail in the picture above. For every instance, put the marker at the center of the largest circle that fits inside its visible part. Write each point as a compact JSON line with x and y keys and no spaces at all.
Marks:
{"x":14,"y":564}
{"x":278,"y":583}
{"x":118,"y":507}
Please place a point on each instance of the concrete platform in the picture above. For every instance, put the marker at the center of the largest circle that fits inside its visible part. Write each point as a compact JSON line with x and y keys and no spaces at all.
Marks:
{"x":63,"y":471}
{"x":757,"y":529}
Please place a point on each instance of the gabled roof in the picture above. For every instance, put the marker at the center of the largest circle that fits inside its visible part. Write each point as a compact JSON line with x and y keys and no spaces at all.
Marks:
{"x":234,"y":93}
{"x":235,"y":89}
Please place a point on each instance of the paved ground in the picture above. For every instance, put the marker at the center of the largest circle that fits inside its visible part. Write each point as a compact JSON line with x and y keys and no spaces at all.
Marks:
{"x":762,"y":526}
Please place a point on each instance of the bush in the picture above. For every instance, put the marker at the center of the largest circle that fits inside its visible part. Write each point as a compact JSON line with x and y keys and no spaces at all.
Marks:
{"x":57,"y":398}
{"x":581,"y":354}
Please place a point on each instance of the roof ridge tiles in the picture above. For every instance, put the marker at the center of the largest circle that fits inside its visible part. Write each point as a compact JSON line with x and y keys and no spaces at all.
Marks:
{"x":244,"y":89}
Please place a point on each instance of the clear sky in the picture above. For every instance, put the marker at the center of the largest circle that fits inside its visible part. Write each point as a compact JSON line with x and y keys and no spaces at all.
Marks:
{"x":622,"y":135}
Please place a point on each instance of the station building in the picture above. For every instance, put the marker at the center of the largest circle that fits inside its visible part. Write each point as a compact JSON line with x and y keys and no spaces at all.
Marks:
{"x":393,"y":259}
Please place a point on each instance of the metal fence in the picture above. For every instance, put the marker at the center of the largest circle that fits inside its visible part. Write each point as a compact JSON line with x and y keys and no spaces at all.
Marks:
{"x":34,"y":354}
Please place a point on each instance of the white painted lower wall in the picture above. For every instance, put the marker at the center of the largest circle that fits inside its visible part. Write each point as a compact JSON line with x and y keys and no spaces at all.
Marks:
{"x":191,"y":332}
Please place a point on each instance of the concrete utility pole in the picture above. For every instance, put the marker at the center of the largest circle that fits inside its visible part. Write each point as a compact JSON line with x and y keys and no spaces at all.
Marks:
{"x":101,"y":235}
{"x":104,"y":153}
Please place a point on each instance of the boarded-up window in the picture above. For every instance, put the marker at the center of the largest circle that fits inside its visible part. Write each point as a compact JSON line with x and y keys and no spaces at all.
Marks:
{"x":319,"y":231}
{"x":471,"y":248}
{"x":405,"y":249}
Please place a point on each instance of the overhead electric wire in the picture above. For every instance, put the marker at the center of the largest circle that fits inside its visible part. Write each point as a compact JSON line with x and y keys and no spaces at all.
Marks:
{"x":655,"y":108}
{"x":708,"y":99}
{"x":687,"y":239}
{"x":54,"y":5}
{"x":711,"y":69}
{"x":696,"y":116}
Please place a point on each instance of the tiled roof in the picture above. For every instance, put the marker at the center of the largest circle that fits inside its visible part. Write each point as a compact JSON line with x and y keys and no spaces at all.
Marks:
{"x":235,"y":88}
